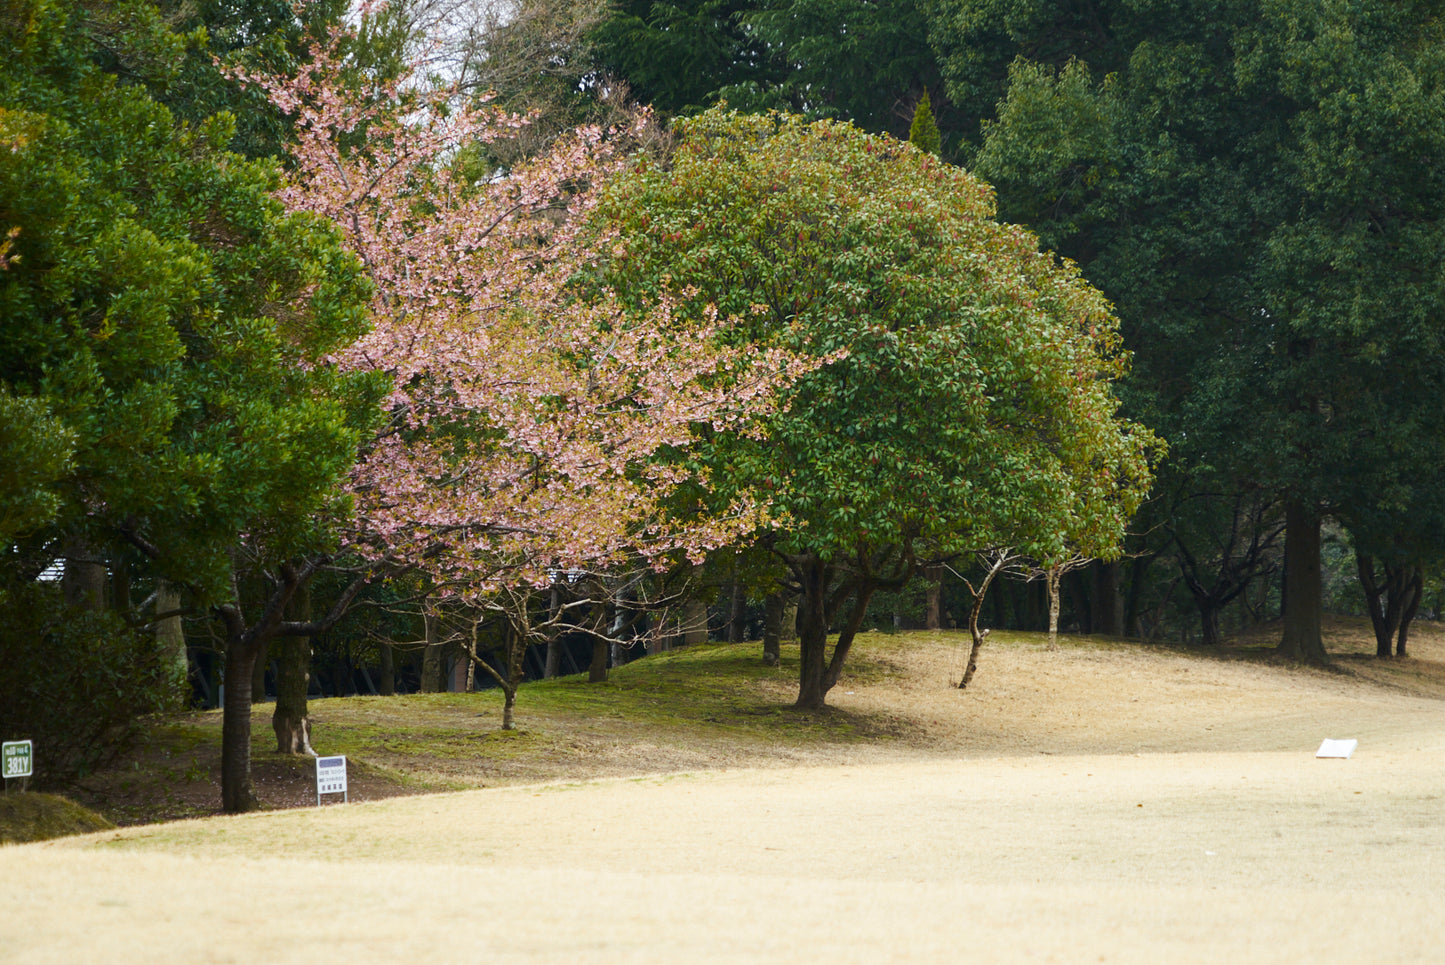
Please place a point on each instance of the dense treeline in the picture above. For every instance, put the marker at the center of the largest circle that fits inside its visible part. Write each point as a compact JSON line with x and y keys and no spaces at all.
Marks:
{"x":322,"y":370}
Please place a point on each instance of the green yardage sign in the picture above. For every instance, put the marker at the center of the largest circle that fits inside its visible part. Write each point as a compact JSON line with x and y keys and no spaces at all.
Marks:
{"x":17,"y":757}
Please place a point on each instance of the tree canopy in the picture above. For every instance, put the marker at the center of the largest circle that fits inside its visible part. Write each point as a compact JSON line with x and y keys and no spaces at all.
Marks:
{"x":966,"y":402}
{"x":1256,"y":187}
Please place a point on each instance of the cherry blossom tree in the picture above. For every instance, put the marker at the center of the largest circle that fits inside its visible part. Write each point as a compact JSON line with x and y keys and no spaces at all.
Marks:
{"x":530,"y":428}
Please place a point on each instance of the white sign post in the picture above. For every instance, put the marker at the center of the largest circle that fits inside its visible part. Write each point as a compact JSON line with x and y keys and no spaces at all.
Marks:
{"x":18,"y":760}
{"x":331,"y":778}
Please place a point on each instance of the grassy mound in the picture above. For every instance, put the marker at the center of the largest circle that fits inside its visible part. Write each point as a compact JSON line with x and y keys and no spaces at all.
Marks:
{"x":39,"y":817}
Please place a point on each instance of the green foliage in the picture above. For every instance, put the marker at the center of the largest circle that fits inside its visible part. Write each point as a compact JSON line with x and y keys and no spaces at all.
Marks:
{"x":855,"y":60}
{"x":923,"y":132}
{"x":76,"y":682}
{"x":35,"y":450}
{"x":258,"y":35}
{"x":971,"y":406}
{"x":1256,"y":187}
{"x":676,"y":56}
{"x":167,"y":316}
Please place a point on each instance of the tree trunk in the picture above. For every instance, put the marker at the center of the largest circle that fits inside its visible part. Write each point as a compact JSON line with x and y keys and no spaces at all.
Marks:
{"x":1383,"y":600}
{"x":976,"y":636}
{"x":387,"y":687}
{"x":289,"y":719}
{"x":1138,"y":570}
{"x":1415,"y":590}
{"x":237,"y":794}
{"x":1302,"y":639}
{"x":772,"y":629}
{"x":431,"y":660}
{"x":737,"y":613}
{"x":933,"y":598}
{"x":818,"y":672}
{"x":597,"y":669}
{"x":1052,"y":576}
{"x":1107,"y":618}
{"x":170,"y":631}
{"x":82,"y":583}
{"x":1078,"y":590}
{"x":812,"y":634}
{"x":258,"y":677}
{"x":1208,"y":623}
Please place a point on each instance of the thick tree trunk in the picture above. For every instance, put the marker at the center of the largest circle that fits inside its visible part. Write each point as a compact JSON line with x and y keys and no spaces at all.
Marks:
{"x":431,"y":659}
{"x":289,"y":719}
{"x":1302,"y":639}
{"x":818,"y":671}
{"x":82,"y":582}
{"x":1209,"y":623}
{"x":170,"y":631}
{"x":772,"y":629}
{"x":933,"y":598}
{"x":812,"y":634}
{"x":237,"y":794}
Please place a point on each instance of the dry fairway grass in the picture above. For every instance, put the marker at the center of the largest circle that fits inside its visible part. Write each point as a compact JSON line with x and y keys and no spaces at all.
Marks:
{"x":1094,"y":803}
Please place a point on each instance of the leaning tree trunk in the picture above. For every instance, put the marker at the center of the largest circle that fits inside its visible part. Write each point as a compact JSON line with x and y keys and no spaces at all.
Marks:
{"x":976,"y":636}
{"x":1303,"y":639}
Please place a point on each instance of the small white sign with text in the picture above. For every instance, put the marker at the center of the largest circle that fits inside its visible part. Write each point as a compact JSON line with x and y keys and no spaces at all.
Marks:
{"x":331,"y":777}
{"x":1337,"y":748}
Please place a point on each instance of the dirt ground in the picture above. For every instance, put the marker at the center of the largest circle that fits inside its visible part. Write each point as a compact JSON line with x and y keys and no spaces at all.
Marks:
{"x":1089,"y":804}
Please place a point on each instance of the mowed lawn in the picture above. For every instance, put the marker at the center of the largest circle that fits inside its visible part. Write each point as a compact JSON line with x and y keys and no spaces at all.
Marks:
{"x":1104,"y":801}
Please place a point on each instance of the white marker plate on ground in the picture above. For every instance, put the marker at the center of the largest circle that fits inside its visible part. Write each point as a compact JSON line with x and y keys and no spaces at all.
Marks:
{"x":1337,"y":748}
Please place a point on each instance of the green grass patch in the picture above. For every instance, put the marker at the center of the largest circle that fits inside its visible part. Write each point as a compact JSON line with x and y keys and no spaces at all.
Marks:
{"x":26,"y":817}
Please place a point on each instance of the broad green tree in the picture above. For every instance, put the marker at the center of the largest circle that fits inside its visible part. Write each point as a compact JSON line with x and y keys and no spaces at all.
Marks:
{"x":966,"y":402}
{"x":1255,"y":187}
{"x":166,"y":320}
